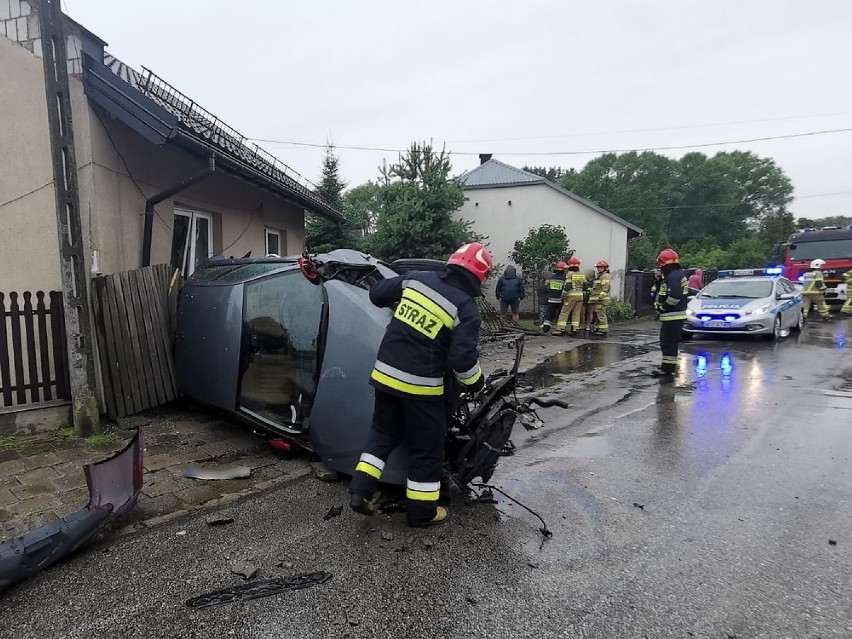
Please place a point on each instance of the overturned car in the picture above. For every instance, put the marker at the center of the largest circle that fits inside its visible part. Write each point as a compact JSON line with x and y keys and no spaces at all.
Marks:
{"x":287,"y":345}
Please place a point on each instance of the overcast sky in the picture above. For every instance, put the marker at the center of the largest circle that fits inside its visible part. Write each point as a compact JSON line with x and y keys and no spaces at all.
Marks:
{"x":509,"y":77}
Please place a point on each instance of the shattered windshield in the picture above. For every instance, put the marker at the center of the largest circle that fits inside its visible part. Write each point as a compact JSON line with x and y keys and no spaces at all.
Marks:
{"x":280,"y":353}
{"x":754,"y":289}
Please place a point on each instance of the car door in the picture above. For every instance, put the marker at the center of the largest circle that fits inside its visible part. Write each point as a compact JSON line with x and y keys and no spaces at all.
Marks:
{"x":789,"y":314}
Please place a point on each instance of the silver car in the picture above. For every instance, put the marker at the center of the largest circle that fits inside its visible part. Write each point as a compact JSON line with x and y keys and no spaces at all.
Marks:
{"x":742,"y":303}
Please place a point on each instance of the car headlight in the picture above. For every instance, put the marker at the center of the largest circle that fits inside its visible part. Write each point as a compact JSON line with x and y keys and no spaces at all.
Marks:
{"x":760,"y":310}
{"x":690,"y":312}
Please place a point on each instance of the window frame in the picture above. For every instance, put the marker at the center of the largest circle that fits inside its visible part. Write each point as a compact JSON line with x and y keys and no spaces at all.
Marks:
{"x":281,"y":238}
{"x":188,"y":263}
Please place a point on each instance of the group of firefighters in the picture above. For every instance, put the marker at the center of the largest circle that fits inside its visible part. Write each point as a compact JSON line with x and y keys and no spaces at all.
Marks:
{"x":574,"y":299}
{"x":813,"y":291}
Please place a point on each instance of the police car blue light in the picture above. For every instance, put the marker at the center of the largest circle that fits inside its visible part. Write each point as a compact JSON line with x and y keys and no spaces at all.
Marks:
{"x":746,"y":302}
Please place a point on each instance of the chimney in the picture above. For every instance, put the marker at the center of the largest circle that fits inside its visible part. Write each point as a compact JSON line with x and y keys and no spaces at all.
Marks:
{"x":484,"y":157}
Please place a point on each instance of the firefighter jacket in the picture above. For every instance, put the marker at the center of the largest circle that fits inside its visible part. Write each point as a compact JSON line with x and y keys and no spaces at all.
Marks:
{"x":434,"y":330}
{"x":847,"y":277}
{"x":574,"y":284}
{"x":600,"y":288}
{"x":672,"y":294}
{"x":813,"y":284}
{"x":557,"y":283}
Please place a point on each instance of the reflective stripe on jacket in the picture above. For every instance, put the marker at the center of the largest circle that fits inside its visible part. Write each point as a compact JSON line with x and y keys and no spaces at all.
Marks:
{"x":434,"y":329}
{"x":672,"y":294}
{"x":557,"y":283}
{"x":600,"y":288}
{"x":813,"y":284}
{"x":574,"y":285}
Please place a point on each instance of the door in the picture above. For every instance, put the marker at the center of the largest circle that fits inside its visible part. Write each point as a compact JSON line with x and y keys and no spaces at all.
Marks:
{"x":192,"y":240}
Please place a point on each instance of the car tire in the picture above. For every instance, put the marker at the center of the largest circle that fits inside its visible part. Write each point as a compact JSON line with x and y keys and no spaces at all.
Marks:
{"x":686,"y":337}
{"x":775,"y":335}
{"x":404,"y":266}
{"x":800,"y":324}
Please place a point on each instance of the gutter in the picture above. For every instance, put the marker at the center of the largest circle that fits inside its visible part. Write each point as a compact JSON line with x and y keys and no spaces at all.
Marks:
{"x":152,"y":201}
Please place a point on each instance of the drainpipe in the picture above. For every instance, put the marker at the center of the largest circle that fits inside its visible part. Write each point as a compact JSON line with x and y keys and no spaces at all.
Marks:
{"x":151,"y":202}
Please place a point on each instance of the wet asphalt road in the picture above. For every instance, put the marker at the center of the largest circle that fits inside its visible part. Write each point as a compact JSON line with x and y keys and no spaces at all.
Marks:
{"x":699,"y":508}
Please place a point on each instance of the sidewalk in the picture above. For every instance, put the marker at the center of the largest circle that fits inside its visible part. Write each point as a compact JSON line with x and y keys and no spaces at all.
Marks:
{"x":41,"y":477}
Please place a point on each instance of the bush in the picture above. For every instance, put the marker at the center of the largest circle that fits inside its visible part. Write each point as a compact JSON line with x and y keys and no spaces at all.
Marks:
{"x":619,"y":311}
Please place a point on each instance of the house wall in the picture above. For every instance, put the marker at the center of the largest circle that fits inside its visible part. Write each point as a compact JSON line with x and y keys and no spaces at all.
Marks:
{"x":592,"y":235}
{"x":29,"y":250}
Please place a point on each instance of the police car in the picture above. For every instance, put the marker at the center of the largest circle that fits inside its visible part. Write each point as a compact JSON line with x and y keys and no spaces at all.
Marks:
{"x":746,"y":302}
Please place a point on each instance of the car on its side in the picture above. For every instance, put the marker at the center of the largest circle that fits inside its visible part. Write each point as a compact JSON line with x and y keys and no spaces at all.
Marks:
{"x":746,"y":302}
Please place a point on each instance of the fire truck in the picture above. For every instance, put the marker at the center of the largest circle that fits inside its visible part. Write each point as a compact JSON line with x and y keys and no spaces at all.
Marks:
{"x":830,"y":243}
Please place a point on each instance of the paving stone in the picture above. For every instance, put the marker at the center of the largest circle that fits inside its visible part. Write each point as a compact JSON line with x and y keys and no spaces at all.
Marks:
{"x":158,"y":462}
{"x":11,"y":468}
{"x":202,"y":493}
{"x":40,"y":461}
{"x":7,"y":497}
{"x":35,"y":505}
{"x":27,"y":491}
{"x":77,"y":454}
{"x":37,"y":476}
{"x":160,"y":483}
{"x":69,"y":482}
{"x":69,"y":468}
{"x":9,"y":482}
{"x":224,"y":447}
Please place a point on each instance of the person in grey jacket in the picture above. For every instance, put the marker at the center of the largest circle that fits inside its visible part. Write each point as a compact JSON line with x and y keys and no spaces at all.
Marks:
{"x":510,"y":292}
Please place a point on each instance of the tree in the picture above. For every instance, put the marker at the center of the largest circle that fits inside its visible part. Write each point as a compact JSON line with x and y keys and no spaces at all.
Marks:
{"x":361,"y":206}
{"x":321,"y":234}
{"x":552,"y":173}
{"x":416,"y":200}
{"x":541,"y":249}
{"x":818,"y":223}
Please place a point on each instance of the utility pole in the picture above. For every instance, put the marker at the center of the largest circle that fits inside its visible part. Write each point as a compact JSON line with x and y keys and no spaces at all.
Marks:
{"x":72,"y":257}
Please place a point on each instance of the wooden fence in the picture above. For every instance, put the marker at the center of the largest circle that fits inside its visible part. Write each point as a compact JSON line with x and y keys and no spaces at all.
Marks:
{"x":33,"y":355}
{"x":134,"y":319}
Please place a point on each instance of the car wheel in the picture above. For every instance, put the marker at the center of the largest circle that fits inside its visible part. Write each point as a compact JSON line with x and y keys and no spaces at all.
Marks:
{"x":686,"y":337}
{"x":800,"y":323}
{"x":775,"y":335}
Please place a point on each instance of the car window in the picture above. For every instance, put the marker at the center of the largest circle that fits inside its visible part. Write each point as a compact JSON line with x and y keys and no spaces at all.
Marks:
{"x":733,"y":288}
{"x":786,"y":286}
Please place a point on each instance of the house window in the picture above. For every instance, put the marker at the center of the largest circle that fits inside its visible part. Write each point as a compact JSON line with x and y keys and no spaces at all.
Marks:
{"x":276,"y":242}
{"x":192,"y":240}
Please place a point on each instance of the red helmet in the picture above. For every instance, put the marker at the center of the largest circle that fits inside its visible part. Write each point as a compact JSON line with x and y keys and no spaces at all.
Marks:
{"x":602,"y":264}
{"x":574,"y":261}
{"x":561,"y":266}
{"x":475,"y":258}
{"x":667,"y":256}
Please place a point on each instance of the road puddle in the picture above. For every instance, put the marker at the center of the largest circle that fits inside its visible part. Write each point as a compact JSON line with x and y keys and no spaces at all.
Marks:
{"x":584,"y":358}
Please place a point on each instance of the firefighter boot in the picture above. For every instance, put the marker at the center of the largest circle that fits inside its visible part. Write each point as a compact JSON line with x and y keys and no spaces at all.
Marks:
{"x":362,"y":505}
{"x":442,"y":516}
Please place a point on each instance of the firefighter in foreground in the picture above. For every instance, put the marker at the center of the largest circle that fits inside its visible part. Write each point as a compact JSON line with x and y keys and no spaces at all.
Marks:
{"x":434,"y":332}
{"x":572,"y":295}
{"x":813,"y":290}
{"x":554,"y":296}
{"x":847,"y":305}
{"x":670,"y":303}
{"x":600,"y":295}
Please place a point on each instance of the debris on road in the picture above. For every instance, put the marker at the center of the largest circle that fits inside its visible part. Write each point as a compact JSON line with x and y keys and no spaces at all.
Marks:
{"x":258,"y":589}
{"x":235,"y":472}
{"x":387,"y":536}
{"x":114,"y":486}
{"x":245,"y":569}
{"x":220,"y":521}
{"x":323,"y":472}
{"x":832,"y":542}
{"x":640,"y":506}
{"x":334,"y":511}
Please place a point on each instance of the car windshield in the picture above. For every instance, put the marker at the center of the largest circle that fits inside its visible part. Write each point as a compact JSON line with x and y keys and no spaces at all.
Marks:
{"x":753,"y":289}
{"x":824,"y":249}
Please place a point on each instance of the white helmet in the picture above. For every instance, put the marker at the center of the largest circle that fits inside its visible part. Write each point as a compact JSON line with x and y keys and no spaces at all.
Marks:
{"x":817,"y":263}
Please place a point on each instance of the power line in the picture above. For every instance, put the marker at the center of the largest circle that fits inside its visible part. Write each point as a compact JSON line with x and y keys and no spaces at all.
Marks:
{"x":713,"y":206}
{"x":589,"y":152}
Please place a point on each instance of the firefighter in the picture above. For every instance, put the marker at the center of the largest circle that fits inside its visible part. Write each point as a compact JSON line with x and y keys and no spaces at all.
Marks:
{"x":670,"y":303}
{"x":434,"y":330}
{"x":600,"y":295}
{"x":587,"y":320}
{"x":813,"y":290}
{"x":572,"y":295}
{"x":847,"y":305}
{"x":554,"y":296}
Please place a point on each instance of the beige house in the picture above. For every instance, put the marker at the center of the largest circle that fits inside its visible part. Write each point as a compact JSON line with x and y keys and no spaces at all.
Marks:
{"x":145,"y":153}
{"x":505,"y":203}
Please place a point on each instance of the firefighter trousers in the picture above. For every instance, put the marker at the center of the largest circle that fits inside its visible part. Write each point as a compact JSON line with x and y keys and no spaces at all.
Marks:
{"x":670,"y":332}
{"x":553,"y":309}
{"x":817,"y":300}
{"x":603,"y":320}
{"x":420,"y":426}
{"x":847,"y":305}
{"x":572,"y":311}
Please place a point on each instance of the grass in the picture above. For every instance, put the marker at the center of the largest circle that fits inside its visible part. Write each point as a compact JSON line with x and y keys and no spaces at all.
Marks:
{"x":8,"y":442}
{"x":66,"y":432}
{"x":107,"y":438}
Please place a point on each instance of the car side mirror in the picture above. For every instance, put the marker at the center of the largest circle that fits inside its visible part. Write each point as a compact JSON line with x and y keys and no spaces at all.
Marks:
{"x":784,"y":296}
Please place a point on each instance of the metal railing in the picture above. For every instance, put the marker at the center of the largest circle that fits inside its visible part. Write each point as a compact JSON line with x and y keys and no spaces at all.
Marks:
{"x":203,"y":123}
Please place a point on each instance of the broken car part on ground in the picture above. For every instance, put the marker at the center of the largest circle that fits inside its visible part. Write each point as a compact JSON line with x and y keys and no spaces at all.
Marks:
{"x":114,"y":486}
{"x":287,"y":345}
